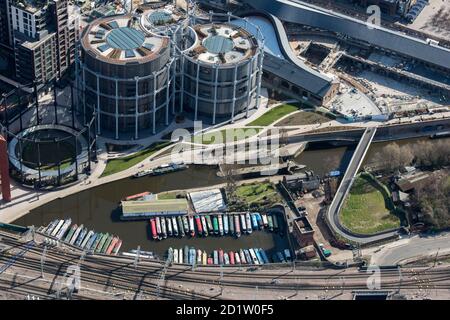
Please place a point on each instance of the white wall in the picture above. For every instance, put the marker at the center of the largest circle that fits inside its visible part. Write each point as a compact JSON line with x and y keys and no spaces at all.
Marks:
{"x":18,"y":22}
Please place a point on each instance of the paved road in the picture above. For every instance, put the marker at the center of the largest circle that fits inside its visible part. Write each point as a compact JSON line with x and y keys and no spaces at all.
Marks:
{"x":344,"y":188}
{"x":412,"y":248}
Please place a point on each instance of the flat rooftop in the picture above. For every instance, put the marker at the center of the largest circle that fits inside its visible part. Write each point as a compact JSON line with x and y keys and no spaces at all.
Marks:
{"x":119,"y":38}
{"x":154,"y":206}
{"x":303,"y":225}
{"x":223,"y":44}
{"x":31,"y":6}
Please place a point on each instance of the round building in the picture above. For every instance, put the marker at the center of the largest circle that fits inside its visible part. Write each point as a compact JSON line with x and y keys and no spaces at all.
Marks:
{"x":166,"y":20}
{"x":126,"y":76}
{"x":221,"y":71}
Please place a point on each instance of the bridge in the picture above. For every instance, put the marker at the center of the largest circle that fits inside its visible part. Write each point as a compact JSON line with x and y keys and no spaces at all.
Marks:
{"x":332,"y":214}
{"x":352,"y":135}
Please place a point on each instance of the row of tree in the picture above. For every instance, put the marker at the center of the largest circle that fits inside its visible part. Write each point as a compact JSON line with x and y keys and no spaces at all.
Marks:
{"x":427,"y":154}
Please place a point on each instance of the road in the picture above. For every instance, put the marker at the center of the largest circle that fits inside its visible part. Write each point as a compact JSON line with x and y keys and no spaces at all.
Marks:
{"x":343,"y":190}
{"x":409,"y":249}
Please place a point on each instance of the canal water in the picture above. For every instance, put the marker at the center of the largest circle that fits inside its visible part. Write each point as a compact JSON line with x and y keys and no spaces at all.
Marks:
{"x":97,"y":208}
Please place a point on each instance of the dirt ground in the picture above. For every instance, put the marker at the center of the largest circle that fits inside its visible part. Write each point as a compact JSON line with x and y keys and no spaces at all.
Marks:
{"x":313,"y":206}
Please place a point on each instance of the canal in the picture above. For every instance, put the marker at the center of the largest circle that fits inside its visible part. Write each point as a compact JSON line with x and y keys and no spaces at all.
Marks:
{"x":96,"y":208}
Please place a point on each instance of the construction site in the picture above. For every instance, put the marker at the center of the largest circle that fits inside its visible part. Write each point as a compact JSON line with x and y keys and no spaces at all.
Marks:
{"x":373,"y":81}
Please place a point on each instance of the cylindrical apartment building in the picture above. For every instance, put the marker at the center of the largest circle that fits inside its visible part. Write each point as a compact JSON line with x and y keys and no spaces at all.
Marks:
{"x":221,"y":71}
{"x":164,"y":20}
{"x":125,"y":77}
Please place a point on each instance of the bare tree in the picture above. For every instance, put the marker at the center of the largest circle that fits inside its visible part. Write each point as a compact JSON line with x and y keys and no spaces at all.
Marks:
{"x":393,"y":157}
{"x":228,"y":171}
{"x":433,"y":201}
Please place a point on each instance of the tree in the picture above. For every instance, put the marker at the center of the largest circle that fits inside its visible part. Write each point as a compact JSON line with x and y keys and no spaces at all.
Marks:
{"x":393,"y":157}
{"x":228,"y":174}
{"x":433,"y":201}
{"x":432,"y":154}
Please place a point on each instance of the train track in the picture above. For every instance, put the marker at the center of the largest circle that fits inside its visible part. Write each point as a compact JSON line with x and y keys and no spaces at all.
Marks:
{"x":94,"y":274}
{"x":121,"y":274}
{"x":149,"y":266}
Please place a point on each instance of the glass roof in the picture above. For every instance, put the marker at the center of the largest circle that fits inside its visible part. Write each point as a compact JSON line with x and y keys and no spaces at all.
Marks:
{"x":125,"y":38}
{"x":159,"y":17}
{"x":218,"y":44}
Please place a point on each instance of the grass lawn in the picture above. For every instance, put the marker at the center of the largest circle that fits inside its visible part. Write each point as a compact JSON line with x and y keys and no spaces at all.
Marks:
{"x":170,"y":195}
{"x":335,"y":128}
{"x":303,"y":118}
{"x":257,"y":192}
{"x":120,"y":164}
{"x":274,"y":114}
{"x":225,"y":135}
{"x":366,"y":210}
{"x":64,"y":164}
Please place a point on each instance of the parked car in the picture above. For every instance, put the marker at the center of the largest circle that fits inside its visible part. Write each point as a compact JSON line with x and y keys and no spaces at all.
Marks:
{"x":326,"y":252}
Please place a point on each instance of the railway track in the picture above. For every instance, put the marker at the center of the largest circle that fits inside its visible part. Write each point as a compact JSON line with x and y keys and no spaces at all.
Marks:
{"x":152,"y":266}
{"x":119,"y":273}
{"x":122,"y":275}
{"x":94,"y":274}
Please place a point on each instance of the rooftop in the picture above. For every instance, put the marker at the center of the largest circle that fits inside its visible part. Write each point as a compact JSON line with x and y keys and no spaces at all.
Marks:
{"x":31,"y":6}
{"x":303,"y":225}
{"x":162,"y":18}
{"x":154,"y":206}
{"x":120,"y":38}
{"x":223,"y":44}
{"x":298,"y":76}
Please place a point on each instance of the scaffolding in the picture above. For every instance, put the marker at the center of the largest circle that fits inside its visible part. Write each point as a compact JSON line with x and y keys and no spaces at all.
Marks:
{"x":54,"y":125}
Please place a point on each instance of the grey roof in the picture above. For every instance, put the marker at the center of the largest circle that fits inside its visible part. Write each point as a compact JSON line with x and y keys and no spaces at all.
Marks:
{"x":298,"y":76}
{"x":297,"y":12}
{"x":289,"y":67}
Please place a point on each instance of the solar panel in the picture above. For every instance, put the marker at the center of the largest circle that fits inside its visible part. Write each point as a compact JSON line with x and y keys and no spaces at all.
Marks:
{"x":148,"y":46}
{"x":113,"y":24}
{"x":129,"y":54}
{"x":100,"y":34}
{"x":103,"y":47}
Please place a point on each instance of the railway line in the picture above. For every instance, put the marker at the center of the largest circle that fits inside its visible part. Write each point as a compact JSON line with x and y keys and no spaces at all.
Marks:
{"x":155,"y":265}
{"x":120,"y":274}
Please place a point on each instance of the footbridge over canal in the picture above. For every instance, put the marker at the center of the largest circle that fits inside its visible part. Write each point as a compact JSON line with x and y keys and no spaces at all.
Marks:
{"x":332,"y":214}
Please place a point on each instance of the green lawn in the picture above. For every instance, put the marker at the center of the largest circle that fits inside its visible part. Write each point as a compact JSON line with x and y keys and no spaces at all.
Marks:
{"x":303,"y":118}
{"x":225,"y":135}
{"x":256,"y":192}
{"x":120,"y":164}
{"x":170,"y":195}
{"x":366,"y":210}
{"x":274,"y":114}
{"x":64,"y":164}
